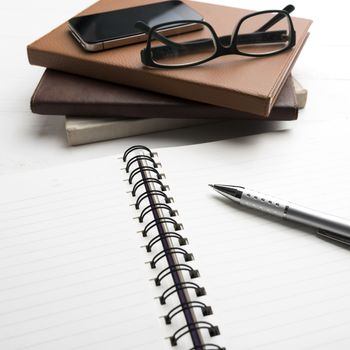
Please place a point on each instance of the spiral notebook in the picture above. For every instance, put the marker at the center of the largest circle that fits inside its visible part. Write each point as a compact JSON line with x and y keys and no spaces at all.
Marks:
{"x":137,"y":252}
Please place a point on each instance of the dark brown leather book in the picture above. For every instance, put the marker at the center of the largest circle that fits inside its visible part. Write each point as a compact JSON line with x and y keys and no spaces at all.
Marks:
{"x":67,"y":94}
{"x":242,"y":83}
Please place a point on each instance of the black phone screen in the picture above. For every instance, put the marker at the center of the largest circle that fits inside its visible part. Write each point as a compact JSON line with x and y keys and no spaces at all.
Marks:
{"x":121,"y":23}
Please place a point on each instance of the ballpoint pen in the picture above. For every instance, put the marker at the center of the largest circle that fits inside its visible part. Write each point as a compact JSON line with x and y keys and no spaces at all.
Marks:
{"x":328,"y":226}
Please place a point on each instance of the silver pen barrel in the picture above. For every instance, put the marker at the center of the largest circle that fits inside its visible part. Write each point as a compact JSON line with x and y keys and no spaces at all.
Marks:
{"x":319,"y":220}
{"x":293,"y":212}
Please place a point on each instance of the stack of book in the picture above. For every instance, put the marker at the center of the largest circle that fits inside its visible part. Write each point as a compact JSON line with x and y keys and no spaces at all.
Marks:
{"x":110,"y":94}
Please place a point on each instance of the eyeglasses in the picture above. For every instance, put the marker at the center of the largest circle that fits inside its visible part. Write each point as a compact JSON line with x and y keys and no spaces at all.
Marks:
{"x":259,"y":34}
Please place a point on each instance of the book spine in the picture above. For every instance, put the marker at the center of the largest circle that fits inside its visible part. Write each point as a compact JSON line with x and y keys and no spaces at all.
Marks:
{"x":84,"y":130}
{"x":300,"y":93}
{"x":162,"y":231}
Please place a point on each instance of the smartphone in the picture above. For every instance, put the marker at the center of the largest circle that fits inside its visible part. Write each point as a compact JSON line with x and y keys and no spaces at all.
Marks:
{"x":111,"y":29}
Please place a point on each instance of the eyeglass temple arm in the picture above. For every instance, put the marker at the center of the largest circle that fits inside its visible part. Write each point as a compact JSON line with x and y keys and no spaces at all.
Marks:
{"x":275,"y":19}
{"x":145,"y":28}
{"x":203,"y":44}
{"x":256,"y":38}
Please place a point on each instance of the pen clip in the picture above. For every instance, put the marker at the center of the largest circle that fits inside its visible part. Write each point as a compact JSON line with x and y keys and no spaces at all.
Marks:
{"x":331,"y":236}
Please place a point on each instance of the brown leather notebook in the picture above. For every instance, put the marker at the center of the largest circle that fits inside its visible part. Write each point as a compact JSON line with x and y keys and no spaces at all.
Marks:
{"x":63,"y":93}
{"x":241,"y":83}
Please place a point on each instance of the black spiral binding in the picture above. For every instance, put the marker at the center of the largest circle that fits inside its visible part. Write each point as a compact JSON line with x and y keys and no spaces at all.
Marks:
{"x":143,"y":174}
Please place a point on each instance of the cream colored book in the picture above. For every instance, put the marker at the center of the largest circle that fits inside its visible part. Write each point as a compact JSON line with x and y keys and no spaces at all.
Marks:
{"x":82,"y":130}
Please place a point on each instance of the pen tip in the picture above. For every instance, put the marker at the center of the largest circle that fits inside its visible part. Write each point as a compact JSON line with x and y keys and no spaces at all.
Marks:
{"x":211,"y":185}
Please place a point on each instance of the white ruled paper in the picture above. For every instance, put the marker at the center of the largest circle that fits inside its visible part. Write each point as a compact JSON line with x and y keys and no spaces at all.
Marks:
{"x":71,"y":273}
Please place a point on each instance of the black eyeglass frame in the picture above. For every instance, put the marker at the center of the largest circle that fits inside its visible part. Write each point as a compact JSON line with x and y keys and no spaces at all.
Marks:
{"x":220,"y":49}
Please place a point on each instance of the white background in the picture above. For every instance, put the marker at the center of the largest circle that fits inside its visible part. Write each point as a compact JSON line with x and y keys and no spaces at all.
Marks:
{"x":30,"y":141}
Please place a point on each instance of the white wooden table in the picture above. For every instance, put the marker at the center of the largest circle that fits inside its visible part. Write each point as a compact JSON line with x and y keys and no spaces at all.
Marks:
{"x":29,"y":141}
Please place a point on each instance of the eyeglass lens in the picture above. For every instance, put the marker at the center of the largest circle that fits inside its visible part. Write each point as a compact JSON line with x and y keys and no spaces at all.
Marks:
{"x":182,"y":49}
{"x":254,"y":41}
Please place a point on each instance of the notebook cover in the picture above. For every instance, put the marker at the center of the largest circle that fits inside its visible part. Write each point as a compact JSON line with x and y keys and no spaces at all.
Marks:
{"x":237,"y":82}
{"x":63,"y":93}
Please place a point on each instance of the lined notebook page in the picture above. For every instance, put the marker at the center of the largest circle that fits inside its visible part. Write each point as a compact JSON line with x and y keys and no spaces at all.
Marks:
{"x":71,"y":274}
{"x":272,"y":285}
